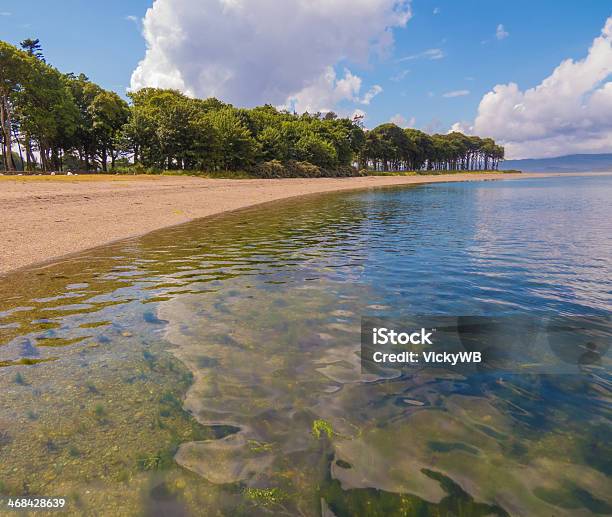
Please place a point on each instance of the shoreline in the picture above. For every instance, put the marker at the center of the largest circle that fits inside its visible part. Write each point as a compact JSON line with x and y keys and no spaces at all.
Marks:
{"x":43,"y":220}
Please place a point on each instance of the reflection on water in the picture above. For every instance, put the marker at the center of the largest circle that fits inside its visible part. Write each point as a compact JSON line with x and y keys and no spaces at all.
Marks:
{"x":213,"y":367}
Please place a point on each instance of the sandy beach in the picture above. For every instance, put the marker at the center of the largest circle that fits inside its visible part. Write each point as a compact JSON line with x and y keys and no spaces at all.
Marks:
{"x":44,"y":218}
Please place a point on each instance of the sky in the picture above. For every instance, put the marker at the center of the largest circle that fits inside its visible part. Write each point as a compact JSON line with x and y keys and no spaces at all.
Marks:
{"x":534,"y":75}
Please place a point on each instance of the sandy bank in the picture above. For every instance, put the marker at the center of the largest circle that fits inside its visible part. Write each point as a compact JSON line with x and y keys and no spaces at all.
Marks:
{"x":42,"y":218}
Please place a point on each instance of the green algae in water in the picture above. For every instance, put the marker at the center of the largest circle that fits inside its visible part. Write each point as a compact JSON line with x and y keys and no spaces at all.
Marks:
{"x":572,"y":497}
{"x":265,"y":496}
{"x":451,"y":446}
{"x":321,"y":428}
{"x":264,"y":318}
{"x":27,"y":361}
{"x":371,"y":502}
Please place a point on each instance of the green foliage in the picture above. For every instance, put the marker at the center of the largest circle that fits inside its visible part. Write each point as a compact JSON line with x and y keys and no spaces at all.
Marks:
{"x":390,"y":148}
{"x":313,"y":149}
{"x":295,"y":169}
{"x":66,"y":122}
{"x":33,"y":48}
{"x":272,"y":145}
{"x":238,"y":146}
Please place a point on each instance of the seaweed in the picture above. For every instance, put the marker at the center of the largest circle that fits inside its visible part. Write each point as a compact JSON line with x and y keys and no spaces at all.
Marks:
{"x":372,"y":502}
{"x":320,"y":427}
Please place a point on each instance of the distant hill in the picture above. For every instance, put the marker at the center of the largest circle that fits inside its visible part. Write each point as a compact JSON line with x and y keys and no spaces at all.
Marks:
{"x":569,"y":163}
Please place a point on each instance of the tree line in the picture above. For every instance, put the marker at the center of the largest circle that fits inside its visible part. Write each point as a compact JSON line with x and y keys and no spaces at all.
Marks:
{"x":55,"y":121}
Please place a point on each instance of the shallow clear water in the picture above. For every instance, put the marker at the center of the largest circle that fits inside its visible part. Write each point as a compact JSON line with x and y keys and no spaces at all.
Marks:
{"x":213,"y":367}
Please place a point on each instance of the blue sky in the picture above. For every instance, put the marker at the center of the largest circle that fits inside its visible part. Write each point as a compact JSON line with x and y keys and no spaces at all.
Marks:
{"x":99,"y":39}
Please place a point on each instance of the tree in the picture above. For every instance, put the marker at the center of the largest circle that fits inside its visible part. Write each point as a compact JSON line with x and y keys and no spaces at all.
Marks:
{"x":46,"y":114}
{"x":33,"y":48}
{"x":313,"y":149}
{"x":12,"y":71}
{"x":420,"y":148}
{"x":272,"y":144}
{"x":393,"y":146}
{"x":109,"y":113}
{"x":66,"y":118}
{"x":239,"y":148}
{"x":161,"y":128}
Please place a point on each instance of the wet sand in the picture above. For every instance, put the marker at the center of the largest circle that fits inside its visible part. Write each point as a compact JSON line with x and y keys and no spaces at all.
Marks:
{"x":44,"y":218}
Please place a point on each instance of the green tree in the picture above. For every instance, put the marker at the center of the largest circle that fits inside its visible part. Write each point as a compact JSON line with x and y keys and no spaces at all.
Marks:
{"x":239,"y":148}
{"x":67,"y":118}
{"x":313,"y":149}
{"x":272,"y":144}
{"x":109,"y":113}
{"x":13,"y":73}
{"x":47,"y":114}
{"x":33,"y":48}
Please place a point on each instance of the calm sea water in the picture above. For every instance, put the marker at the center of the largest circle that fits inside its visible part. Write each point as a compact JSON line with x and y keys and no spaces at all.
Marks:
{"x":212,"y":368}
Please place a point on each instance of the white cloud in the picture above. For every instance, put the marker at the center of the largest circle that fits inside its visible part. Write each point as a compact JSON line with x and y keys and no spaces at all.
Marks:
{"x":399,"y":76}
{"x":430,"y":53}
{"x":132,"y":18}
{"x":401,"y":121}
{"x":326,"y":92}
{"x":436,"y":10}
{"x":456,"y":93}
{"x":568,"y":112}
{"x":251,"y":52}
{"x":501,"y":33}
{"x":371,"y":93}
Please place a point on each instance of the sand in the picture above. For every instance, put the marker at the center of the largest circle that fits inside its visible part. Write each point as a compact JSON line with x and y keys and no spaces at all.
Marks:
{"x":44,"y":218}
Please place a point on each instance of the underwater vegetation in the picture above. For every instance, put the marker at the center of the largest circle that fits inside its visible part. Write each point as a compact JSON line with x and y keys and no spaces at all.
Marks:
{"x":214,"y":367}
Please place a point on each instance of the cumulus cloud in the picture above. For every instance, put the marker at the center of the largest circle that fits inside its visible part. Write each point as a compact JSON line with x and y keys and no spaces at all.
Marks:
{"x":568,"y":112}
{"x":251,"y":52}
{"x":326,"y":92}
{"x":132,"y":18}
{"x":401,"y":121}
{"x":456,"y":93}
{"x":501,"y":33}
